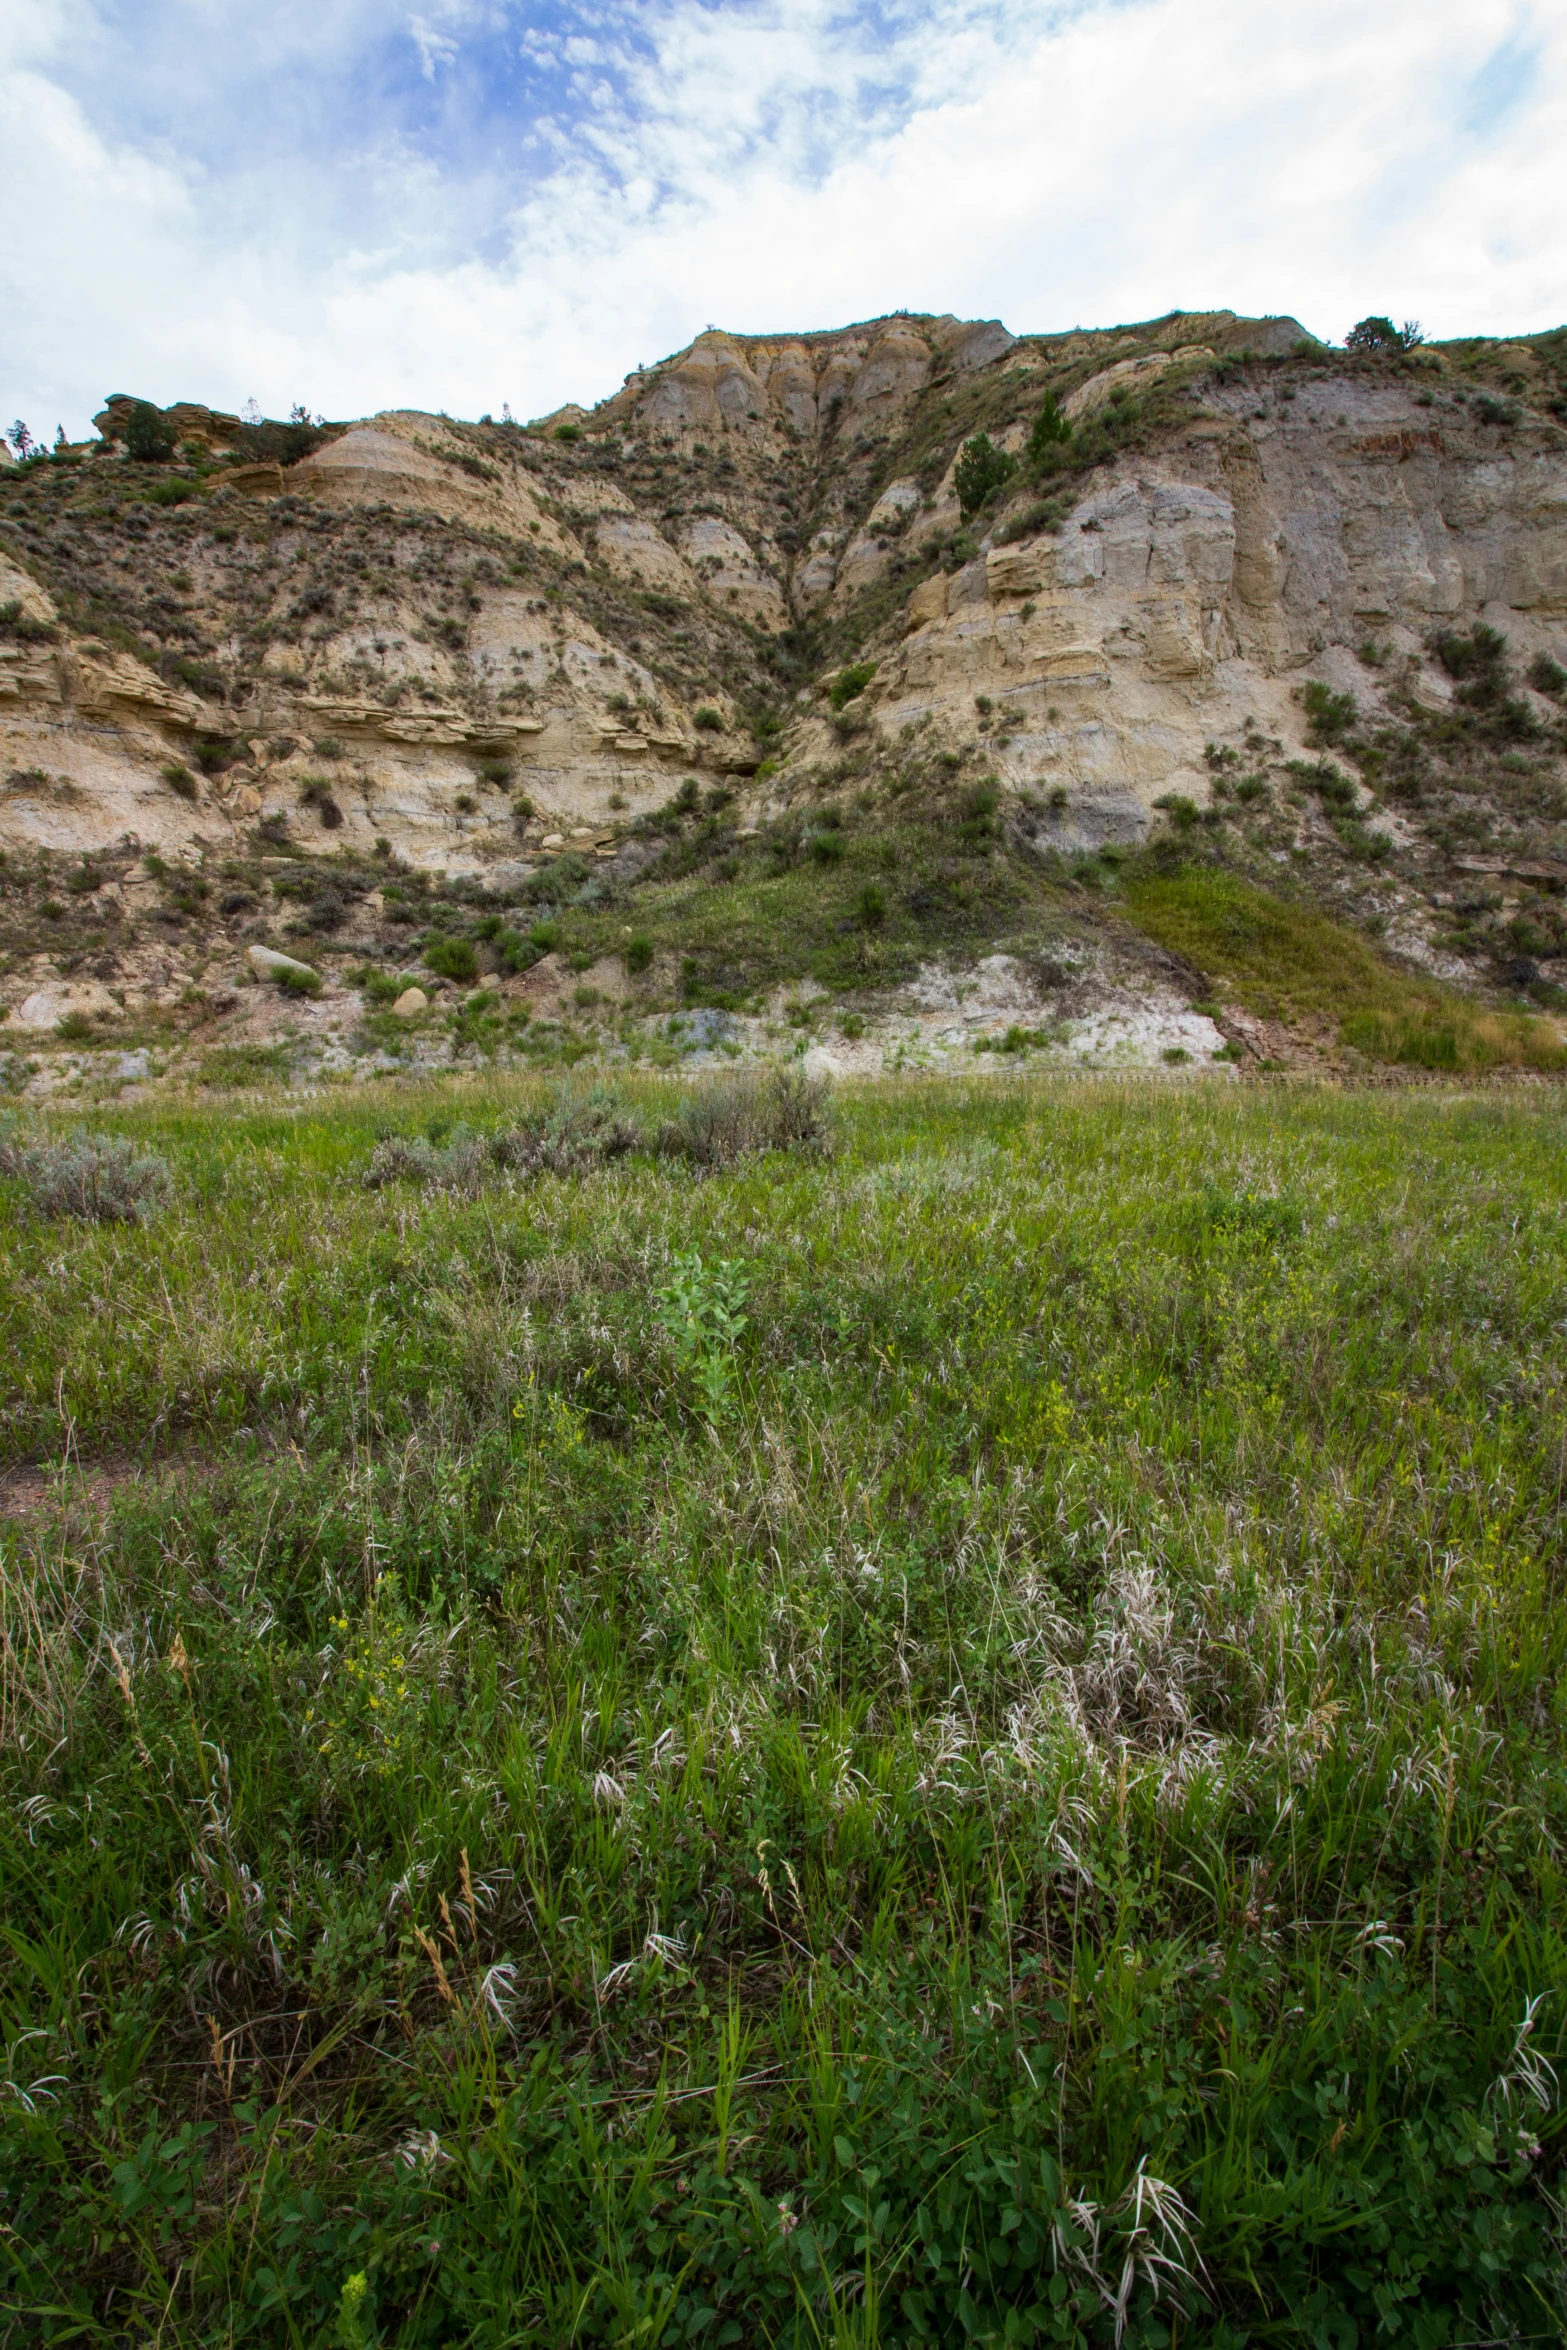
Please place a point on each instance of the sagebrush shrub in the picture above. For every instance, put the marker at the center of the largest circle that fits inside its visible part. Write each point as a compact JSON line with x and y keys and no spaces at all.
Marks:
{"x":98,"y":1178}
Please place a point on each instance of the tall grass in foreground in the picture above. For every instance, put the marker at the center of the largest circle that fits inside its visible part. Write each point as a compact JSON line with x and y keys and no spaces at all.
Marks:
{"x":961,"y":1742}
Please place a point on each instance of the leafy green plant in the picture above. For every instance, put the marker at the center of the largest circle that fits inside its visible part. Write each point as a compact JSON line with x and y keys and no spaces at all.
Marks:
{"x":700,"y":1309}
{"x":638,"y":953}
{"x":179,"y":778}
{"x":708,"y":720}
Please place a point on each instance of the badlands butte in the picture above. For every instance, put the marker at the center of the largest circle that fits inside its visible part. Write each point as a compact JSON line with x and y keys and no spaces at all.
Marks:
{"x":1189,"y":692}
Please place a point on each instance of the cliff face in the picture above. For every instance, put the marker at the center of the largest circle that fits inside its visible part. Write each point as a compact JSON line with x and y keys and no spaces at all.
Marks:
{"x":479,"y":646}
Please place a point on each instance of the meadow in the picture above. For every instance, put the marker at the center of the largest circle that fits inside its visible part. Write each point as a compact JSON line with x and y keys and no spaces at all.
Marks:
{"x":952,"y":1732}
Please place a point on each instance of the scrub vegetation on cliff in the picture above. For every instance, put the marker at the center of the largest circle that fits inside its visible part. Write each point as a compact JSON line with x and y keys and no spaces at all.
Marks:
{"x":826,"y":660}
{"x":946,"y":1728}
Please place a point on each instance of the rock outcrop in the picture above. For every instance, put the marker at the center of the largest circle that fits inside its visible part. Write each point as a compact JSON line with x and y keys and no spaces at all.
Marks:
{"x":472,"y":648}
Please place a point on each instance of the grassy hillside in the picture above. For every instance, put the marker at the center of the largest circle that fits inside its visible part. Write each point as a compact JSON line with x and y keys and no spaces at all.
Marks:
{"x":952,"y":1737}
{"x":1288,"y":961}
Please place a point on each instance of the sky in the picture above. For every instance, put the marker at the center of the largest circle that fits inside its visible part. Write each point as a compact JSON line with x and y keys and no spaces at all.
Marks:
{"x":467,"y":203}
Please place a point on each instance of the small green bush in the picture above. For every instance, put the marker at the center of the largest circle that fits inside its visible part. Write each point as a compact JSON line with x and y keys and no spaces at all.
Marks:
{"x":451,"y":958}
{"x":1181,"y":811}
{"x":638,"y":952}
{"x":378,"y":987}
{"x":1051,"y":428}
{"x":709,"y":720}
{"x":179,"y":778}
{"x":1329,"y":716}
{"x":979,"y":472}
{"x":826,"y":848}
{"x":871,"y":904}
{"x":21,"y":627}
{"x":1547,"y":677}
{"x":850,"y":683}
{"x":315,"y":792}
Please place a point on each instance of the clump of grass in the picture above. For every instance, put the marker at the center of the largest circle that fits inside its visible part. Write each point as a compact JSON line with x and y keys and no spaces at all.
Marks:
{"x":95,"y":1178}
{"x":1468,"y":1040}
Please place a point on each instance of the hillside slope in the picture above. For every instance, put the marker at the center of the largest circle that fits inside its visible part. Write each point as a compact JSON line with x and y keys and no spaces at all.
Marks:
{"x":718,"y":705}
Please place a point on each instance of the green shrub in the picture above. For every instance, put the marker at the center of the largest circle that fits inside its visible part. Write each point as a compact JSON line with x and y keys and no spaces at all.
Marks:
{"x":1331,"y":785}
{"x":1329,"y":716}
{"x":149,"y":436}
{"x":871,"y":904}
{"x":315,"y":792}
{"x":977,"y":812}
{"x":178,"y":778}
{"x":378,"y":987}
{"x":638,"y":952}
{"x":1547,"y":677}
{"x":980,"y":471}
{"x":1181,"y":811}
{"x":826,"y":848}
{"x":850,"y":683}
{"x":568,"y":432}
{"x":1477,"y":663}
{"x":451,"y":958}
{"x":21,"y":628}
{"x":170,"y":493}
{"x":1051,"y":428}
{"x":709,"y":720}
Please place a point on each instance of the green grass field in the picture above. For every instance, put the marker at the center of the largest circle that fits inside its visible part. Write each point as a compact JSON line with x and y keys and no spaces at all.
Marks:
{"x":955,"y":1740}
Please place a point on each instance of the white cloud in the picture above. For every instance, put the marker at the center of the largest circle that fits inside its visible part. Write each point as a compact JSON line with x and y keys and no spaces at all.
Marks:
{"x":769,"y":163}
